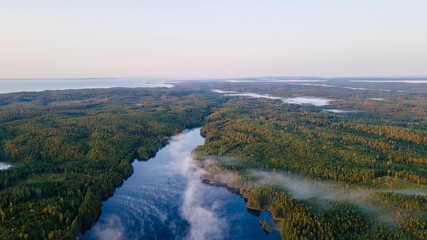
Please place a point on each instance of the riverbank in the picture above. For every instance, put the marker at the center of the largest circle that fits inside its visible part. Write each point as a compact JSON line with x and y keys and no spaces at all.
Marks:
{"x":165,"y":198}
{"x":215,"y":174}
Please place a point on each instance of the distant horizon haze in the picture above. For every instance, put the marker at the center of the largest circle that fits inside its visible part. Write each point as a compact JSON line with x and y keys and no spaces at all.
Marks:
{"x":207,"y":78}
{"x":212,"y":39}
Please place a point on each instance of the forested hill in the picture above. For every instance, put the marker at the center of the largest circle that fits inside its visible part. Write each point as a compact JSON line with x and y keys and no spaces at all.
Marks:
{"x":69,"y":149}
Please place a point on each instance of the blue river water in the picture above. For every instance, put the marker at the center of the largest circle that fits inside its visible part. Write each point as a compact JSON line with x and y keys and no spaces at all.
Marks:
{"x":166,"y":199}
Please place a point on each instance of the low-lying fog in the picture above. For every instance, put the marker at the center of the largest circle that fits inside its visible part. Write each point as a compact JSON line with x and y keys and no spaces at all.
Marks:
{"x":166,"y":199}
{"x":315,"y":101}
{"x":338,"y":111}
{"x":4,"y":166}
{"x":299,"y":187}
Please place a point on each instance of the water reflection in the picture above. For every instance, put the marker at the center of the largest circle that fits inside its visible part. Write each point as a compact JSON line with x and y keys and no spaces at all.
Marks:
{"x":165,"y":199}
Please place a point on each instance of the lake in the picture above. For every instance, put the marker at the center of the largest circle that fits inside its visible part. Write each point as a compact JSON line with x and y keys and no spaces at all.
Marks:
{"x":41,"y":84}
{"x":166,"y":199}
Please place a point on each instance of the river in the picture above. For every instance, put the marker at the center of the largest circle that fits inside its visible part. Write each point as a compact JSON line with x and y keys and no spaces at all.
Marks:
{"x":165,"y":199}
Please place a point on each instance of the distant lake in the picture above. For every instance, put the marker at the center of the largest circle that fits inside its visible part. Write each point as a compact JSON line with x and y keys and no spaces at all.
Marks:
{"x":27,"y":85}
{"x":4,"y":166}
{"x":166,"y":199}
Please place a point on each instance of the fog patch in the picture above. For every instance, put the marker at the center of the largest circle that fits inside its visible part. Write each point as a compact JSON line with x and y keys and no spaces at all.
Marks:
{"x":253,"y":95}
{"x":323,"y":191}
{"x":355,"y":88}
{"x":315,"y":101}
{"x":204,"y":222}
{"x":113,"y":229}
{"x":221,"y":91}
{"x":225,"y":160}
{"x":217,"y":171}
{"x":367,"y":89}
{"x":202,"y":217}
{"x":319,"y":85}
{"x":339,"y":111}
{"x":304,"y":188}
{"x":4,"y":166}
{"x":239,"y":81}
{"x":181,"y":163}
{"x":214,"y":170}
{"x":300,"y":188}
{"x":350,"y":88}
{"x":406,"y":191}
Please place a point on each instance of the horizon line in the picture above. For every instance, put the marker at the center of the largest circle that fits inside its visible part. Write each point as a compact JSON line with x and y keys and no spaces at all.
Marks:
{"x":285,"y":77}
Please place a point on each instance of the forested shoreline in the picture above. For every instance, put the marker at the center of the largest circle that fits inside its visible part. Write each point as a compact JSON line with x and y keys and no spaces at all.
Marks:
{"x":71,"y":148}
{"x":250,"y":134}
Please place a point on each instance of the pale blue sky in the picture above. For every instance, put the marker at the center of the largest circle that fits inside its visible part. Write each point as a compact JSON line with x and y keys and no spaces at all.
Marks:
{"x":207,"y":39}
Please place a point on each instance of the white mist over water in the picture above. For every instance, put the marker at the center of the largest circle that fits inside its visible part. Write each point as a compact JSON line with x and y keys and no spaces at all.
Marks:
{"x":204,"y":222}
{"x":113,"y":229}
{"x":165,"y":198}
{"x":318,"y":85}
{"x":338,"y":111}
{"x":315,"y":101}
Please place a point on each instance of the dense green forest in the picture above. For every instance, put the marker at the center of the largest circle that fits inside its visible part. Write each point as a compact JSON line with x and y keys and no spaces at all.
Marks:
{"x":70,"y":149}
{"x":383,"y":145}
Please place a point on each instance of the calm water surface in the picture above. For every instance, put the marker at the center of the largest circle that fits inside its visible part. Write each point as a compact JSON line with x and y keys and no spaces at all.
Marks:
{"x":20,"y":85}
{"x":165,"y":199}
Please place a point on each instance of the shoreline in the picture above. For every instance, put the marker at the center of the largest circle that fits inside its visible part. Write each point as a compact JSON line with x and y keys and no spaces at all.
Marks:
{"x":240,"y":192}
{"x":87,"y":226}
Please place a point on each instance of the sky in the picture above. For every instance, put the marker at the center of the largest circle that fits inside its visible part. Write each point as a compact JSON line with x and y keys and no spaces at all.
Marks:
{"x":212,"y":39}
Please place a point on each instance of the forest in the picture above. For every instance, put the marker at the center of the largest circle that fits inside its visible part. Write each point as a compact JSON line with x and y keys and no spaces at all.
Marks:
{"x":382,"y":145}
{"x":70,"y":149}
